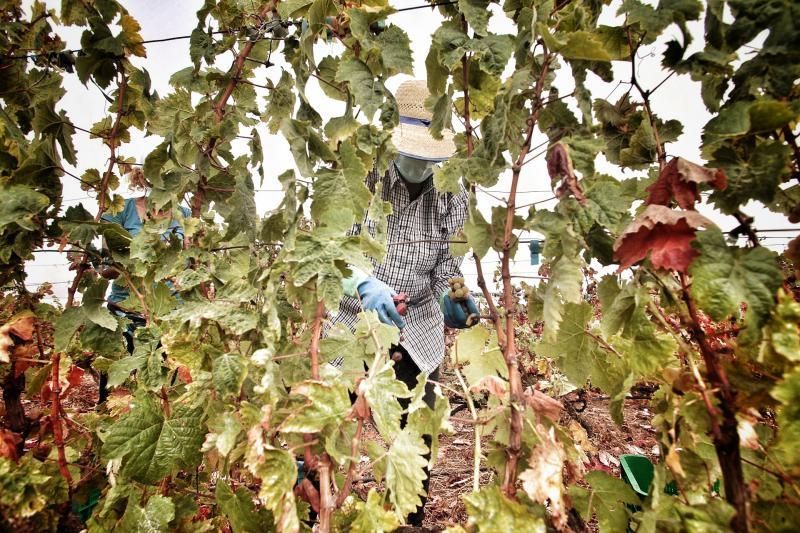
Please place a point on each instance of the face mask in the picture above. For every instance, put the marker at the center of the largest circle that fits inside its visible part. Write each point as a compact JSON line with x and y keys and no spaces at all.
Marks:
{"x":414,"y":170}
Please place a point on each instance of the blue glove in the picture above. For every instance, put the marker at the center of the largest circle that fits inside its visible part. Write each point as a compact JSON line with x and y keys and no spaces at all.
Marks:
{"x":377,"y":296}
{"x":454,"y":312}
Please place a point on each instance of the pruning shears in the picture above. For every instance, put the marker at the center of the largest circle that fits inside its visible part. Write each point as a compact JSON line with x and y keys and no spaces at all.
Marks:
{"x":402,"y":302}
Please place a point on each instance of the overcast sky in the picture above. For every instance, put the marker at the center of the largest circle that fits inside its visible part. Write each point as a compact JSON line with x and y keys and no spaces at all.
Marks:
{"x":678,"y":98}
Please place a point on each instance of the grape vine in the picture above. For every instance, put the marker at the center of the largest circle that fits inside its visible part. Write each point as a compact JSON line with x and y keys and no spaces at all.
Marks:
{"x":227,"y":387}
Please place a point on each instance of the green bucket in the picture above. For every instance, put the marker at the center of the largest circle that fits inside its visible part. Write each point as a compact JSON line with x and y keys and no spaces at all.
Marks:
{"x":637,"y":471}
{"x":84,"y":510}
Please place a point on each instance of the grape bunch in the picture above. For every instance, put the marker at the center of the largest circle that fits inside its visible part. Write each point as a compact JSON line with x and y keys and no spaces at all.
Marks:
{"x":458,"y":291}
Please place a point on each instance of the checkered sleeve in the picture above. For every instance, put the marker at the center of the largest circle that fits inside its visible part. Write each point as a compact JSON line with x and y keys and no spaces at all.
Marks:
{"x":449,"y":266}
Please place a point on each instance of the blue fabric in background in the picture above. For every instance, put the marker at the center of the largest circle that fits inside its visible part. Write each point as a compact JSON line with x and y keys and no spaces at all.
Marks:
{"x":535,"y":247}
{"x":129,"y":219}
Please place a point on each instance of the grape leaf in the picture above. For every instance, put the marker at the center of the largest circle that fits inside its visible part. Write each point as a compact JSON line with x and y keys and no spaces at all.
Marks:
{"x":490,"y":510}
{"x":277,"y":470}
{"x":20,"y":205}
{"x":542,"y":480}
{"x":405,"y":472}
{"x":367,"y":91}
{"x":150,"y":445}
{"x":382,"y":391}
{"x":480,"y":359}
{"x":228,"y":373}
{"x":372,"y":517}
{"x":318,"y":406}
{"x":679,"y":180}
{"x":724,"y":278}
{"x":477,"y":14}
{"x":239,"y":509}
{"x":606,"y":498}
{"x":662,"y":233}
{"x":574,"y":350}
{"x":152,"y":518}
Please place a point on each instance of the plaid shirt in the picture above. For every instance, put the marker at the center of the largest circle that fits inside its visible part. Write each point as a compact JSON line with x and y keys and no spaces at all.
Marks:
{"x":418,"y":261}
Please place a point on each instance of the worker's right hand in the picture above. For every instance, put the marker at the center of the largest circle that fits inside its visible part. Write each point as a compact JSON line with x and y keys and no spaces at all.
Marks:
{"x":377,"y":296}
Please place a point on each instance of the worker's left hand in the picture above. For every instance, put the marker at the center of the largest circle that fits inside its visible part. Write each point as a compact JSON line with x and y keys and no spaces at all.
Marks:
{"x":459,"y":314}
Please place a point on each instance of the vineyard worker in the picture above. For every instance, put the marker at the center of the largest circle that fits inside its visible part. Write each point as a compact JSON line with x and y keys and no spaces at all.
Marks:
{"x":132,"y":218}
{"x":418,"y":260}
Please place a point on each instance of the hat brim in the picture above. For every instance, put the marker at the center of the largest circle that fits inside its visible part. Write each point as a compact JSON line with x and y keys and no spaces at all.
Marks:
{"x":416,"y":141}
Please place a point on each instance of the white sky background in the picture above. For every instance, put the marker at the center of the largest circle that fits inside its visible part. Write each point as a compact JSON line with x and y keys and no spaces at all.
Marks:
{"x":678,"y":98}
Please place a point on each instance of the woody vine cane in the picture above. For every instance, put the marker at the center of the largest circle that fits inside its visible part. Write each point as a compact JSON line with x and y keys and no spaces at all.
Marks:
{"x":695,"y":304}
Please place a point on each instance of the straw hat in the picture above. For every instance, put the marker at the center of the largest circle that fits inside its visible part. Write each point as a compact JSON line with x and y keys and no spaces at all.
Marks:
{"x":412,"y":137}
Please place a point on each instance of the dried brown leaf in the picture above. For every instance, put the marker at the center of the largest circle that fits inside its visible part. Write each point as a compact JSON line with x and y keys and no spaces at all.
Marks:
{"x":18,"y":329}
{"x":543,"y":404}
{"x":8,"y":444}
{"x":559,"y":165}
{"x":679,"y":180}
{"x":494,"y":385}
{"x":542,"y":481}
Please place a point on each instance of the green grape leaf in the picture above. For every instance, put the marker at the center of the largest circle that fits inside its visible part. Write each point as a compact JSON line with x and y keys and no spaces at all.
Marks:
{"x":606,"y":498}
{"x":405,"y":471}
{"x":20,"y":205}
{"x":752,"y":174}
{"x":277,"y":470}
{"x":67,"y":324}
{"x":150,"y":445}
{"x":724,"y":278}
{"x":395,"y":49}
{"x":574,"y":349}
{"x":372,"y":517}
{"x":340,"y":196}
{"x":477,"y":14}
{"x":201,"y":46}
{"x":280,"y":103}
{"x":367,"y":91}
{"x":93,"y":304}
{"x":225,"y":429}
{"x":239,"y":509}
{"x":769,"y":115}
{"x":56,"y":125}
{"x":781,"y":333}
{"x":152,"y":518}
{"x":563,"y":287}
{"x":318,"y":406}
{"x":429,"y":421}
{"x":480,"y":358}
{"x":490,"y":510}
{"x":228,"y":373}
{"x":382,"y":391}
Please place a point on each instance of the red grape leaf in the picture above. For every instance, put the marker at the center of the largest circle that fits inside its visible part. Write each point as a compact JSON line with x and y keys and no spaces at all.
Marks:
{"x":74,"y":376}
{"x":19,"y":328}
{"x":8,"y":444}
{"x":679,"y":180}
{"x":662,"y":233}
